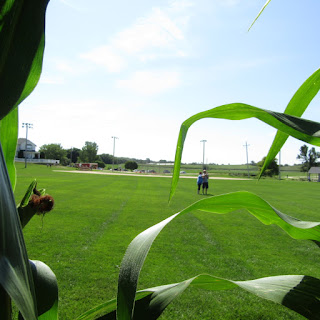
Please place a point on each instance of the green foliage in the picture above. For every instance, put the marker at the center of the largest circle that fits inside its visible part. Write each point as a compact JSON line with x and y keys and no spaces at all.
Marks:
{"x":308,"y":157}
{"x":260,"y":12}
{"x":271,"y":170}
{"x":101,"y":164}
{"x":89,"y":152}
{"x":296,"y":107}
{"x":106,"y":158}
{"x":8,"y":139}
{"x":73,"y":154}
{"x":21,"y":50}
{"x":53,"y":151}
{"x":131,"y":165}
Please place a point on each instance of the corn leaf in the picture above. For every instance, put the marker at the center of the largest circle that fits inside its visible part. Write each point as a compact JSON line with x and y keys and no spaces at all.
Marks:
{"x":296,"y":292}
{"x":138,"y":249}
{"x":46,"y":289}
{"x":8,"y":139}
{"x":302,"y":129}
{"x":21,"y":50}
{"x":256,"y":18}
{"x":15,"y":273}
{"x":296,"y":107}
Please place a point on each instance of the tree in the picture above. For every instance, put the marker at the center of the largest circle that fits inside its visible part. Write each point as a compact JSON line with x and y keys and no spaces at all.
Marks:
{"x":53,"y":151}
{"x":273,"y":168}
{"x":131,"y":165}
{"x":73,"y":154}
{"x":100,"y":163}
{"x":89,"y":152}
{"x":106,"y":158}
{"x":308,"y":158}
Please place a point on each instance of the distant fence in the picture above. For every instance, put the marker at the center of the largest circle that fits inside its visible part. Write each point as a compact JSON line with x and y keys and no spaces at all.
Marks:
{"x":41,"y":161}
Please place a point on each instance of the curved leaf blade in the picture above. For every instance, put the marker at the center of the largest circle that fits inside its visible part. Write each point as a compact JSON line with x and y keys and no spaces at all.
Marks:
{"x":21,"y":50}
{"x":15,"y":273}
{"x":260,"y":12}
{"x":296,"y":107}
{"x":46,"y":289}
{"x":8,"y":139}
{"x":296,"y":292}
{"x":139,"y":247}
{"x":302,"y":129}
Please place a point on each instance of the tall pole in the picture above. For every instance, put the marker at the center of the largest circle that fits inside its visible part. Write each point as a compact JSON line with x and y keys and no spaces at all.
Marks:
{"x":28,"y":126}
{"x":71,"y":155}
{"x":247,"y":145}
{"x":279,"y":165}
{"x":114,"y":147}
{"x":204,"y":142}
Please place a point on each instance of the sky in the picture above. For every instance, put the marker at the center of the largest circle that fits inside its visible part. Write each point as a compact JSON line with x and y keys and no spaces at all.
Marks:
{"x":136,"y":70}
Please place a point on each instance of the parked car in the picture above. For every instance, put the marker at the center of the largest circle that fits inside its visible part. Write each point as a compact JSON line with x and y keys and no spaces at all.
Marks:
{"x":166,"y":171}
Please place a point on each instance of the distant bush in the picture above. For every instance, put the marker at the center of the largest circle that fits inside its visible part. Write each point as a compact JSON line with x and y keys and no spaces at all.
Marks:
{"x":131,"y":165}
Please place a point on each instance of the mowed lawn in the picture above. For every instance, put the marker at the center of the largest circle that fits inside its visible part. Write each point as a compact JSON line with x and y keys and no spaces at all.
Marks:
{"x":95,"y":217}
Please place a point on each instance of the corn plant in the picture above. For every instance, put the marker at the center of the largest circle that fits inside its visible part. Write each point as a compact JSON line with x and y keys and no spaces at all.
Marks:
{"x":32,"y":285}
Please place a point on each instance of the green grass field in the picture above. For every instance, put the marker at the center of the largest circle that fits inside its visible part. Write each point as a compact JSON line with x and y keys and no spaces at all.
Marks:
{"x":95,"y":217}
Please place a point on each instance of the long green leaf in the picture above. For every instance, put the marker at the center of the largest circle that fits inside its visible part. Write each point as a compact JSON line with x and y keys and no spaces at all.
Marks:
{"x":305,"y":130}
{"x":15,"y":273}
{"x":21,"y":50}
{"x":8,"y":139}
{"x":46,"y":288}
{"x":296,"y":107}
{"x":138,"y":249}
{"x":296,"y":292}
{"x":264,"y":6}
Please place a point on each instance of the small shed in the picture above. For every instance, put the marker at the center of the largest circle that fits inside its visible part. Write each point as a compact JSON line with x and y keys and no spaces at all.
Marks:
{"x":314,"y":170}
{"x":86,"y":166}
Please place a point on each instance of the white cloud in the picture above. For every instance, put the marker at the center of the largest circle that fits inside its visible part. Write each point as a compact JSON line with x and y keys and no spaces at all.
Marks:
{"x":151,"y":82}
{"x":106,"y":57}
{"x":157,"y":30}
{"x":160,"y":34}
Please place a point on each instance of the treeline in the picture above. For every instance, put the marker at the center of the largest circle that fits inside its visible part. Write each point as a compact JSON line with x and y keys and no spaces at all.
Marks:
{"x":88,"y":154}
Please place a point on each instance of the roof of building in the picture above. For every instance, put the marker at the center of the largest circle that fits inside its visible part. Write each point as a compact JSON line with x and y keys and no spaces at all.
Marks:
{"x":22,"y":140}
{"x":314,"y":170}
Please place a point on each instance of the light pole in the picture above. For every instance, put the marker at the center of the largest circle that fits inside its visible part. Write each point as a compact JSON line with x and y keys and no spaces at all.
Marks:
{"x":28,"y":126}
{"x":247,"y":145}
{"x":280,"y":165}
{"x":204,"y":142}
{"x":114,"y":146}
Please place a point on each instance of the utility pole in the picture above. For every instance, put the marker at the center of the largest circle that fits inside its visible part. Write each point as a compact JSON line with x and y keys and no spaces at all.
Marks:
{"x":204,"y":142}
{"x":71,"y":155}
{"x":114,"y":146}
{"x":28,"y":126}
{"x":280,"y":165}
{"x":247,"y":145}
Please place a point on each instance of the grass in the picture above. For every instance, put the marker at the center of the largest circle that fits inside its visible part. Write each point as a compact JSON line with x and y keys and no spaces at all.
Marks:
{"x":96,"y":216}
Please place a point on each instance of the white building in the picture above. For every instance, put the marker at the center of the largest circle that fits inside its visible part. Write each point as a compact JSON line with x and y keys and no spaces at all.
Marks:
{"x":26,"y":149}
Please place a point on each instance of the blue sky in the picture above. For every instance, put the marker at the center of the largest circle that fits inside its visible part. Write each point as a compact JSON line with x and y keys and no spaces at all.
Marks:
{"x":137,"y":69}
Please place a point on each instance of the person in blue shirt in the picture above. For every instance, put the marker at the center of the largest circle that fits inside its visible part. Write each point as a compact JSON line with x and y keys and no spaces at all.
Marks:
{"x":199,"y":181}
{"x":205,"y":182}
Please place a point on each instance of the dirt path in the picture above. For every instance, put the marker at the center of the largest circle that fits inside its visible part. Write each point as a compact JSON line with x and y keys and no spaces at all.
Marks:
{"x":146,"y":175}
